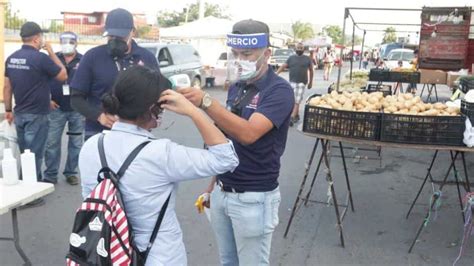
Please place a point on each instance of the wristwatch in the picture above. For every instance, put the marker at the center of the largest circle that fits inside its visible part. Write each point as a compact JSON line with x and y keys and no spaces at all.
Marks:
{"x":206,"y":101}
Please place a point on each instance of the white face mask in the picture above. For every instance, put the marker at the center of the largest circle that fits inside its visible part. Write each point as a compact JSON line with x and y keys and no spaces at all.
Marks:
{"x":68,"y":48}
{"x":243,"y":70}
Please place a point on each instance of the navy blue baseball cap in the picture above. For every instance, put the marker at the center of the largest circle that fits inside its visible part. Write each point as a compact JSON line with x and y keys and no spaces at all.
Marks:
{"x":29,"y":29}
{"x":119,"y":22}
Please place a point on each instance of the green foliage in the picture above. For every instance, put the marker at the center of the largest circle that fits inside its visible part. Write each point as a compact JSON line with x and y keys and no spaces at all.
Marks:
{"x":143,"y":31}
{"x":335,"y":32}
{"x":302,"y":30}
{"x":56,"y":27}
{"x":390,"y":35}
{"x":171,"y":19}
{"x":12,"y":20}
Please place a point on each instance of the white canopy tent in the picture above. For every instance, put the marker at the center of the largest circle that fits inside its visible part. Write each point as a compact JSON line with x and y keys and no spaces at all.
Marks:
{"x":207,"y":35}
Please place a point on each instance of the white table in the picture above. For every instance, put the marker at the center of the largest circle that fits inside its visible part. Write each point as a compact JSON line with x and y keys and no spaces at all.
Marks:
{"x":14,"y":196}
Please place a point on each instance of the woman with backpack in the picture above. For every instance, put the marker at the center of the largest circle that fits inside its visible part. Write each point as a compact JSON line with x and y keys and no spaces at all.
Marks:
{"x":154,"y":174}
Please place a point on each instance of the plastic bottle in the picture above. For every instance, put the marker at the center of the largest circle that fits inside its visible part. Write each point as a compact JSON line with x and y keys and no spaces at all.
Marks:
{"x":28,"y":167}
{"x":9,"y":168}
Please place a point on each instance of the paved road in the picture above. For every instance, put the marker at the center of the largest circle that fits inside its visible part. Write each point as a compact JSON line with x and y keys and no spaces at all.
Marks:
{"x":377,"y":233}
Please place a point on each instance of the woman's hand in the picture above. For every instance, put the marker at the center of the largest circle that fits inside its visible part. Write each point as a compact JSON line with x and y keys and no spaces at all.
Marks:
{"x":176,"y":102}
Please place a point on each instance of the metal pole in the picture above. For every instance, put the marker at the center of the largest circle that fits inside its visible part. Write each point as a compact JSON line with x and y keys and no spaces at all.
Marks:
{"x":3,"y":4}
{"x":362,"y":50}
{"x":341,"y":55}
{"x":352,"y":53}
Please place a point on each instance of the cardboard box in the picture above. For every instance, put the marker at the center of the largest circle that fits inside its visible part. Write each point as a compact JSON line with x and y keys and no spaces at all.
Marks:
{"x":429,"y":76}
{"x":452,"y":78}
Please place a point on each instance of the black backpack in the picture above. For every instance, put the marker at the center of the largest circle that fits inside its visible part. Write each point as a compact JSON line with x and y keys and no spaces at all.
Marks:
{"x":101,"y":233}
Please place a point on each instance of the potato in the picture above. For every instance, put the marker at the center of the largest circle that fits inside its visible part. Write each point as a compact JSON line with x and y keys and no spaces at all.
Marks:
{"x":409,"y":104}
{"x":335,"y":105}
{"x":407,"y":96}
{"x":392,"y":109}
{"x":334,"y":94}
{"x":315,"y":101}
{"x":414,"y":109}
{"x":453,"y":110}
{"x":417,"y":99}
{"x":373,"y":100}
{"x":432,"y":112}
{"x":359,"y":106}
{"x":400,"y":105}
{"x":440,"y":106}
{"x":404,"y":111}
{"x":325,"y":106}
{"x":428,"y":106}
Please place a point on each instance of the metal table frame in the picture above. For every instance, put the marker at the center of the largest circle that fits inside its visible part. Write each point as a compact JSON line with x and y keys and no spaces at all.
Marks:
{"x":16,"y":237}
{"x":325,"y":157}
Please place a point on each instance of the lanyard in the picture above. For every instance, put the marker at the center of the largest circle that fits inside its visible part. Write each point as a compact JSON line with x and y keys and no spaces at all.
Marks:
{"x":119,"y":65}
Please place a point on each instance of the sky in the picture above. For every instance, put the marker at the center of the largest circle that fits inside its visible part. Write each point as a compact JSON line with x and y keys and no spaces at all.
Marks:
{"x":313,"y":11}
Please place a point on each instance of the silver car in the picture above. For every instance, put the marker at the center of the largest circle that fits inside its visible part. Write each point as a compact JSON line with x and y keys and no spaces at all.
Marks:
{"x":178,"y":59}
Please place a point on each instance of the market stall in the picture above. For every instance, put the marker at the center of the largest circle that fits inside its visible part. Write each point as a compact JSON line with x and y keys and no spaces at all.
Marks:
{"x":356,"y":113}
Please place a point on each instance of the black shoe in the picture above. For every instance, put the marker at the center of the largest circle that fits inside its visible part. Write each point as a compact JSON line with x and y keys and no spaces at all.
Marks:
{"x":35,"y":203}
{"x":291,"y":122}
{"x":54,"y":182}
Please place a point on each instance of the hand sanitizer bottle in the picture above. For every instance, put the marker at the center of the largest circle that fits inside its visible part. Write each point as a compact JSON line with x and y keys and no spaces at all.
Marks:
{"x":28,"y":167}
{"x":9,"y":168}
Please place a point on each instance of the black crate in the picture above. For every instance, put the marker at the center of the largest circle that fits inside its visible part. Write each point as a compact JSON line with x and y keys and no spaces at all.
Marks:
{"x":405,"y":77}
{"x":385,"y":89}
{"x":377,"y":74}
{"x":427,"y":130}
{"x":466,"y":84}
{"x":359,"y":125}
{"x":467,"y":109}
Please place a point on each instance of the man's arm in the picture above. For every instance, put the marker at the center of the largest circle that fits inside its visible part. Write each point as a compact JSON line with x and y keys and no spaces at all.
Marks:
{"x":282,"y":68}
{"x":62,"y":75}
{"x":7,"y":97}
{"x":311,"y":74}
{"x":244,"y":131}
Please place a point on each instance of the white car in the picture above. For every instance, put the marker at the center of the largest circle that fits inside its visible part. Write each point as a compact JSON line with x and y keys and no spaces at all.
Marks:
{"x":405,"y":55}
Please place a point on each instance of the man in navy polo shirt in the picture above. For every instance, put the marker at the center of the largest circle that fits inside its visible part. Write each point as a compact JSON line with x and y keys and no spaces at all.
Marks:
{"x":100,"y":66}
{"x":244,"y":203}
{"x":61,"y":114}
{"x":27,"y":76}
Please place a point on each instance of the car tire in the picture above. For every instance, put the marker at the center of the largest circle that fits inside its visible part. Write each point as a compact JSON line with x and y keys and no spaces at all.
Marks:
{"x":196,"y":82}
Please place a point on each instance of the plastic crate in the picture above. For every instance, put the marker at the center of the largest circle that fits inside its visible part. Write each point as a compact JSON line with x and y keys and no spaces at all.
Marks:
{"x":360,"y":125}
{"x":405,"y":77}
{"x":466,"y":84}
{"x":377,"y":74}
{"x":385,"y":89}
{"x":427,"y":130}
{"x":467,"y":109}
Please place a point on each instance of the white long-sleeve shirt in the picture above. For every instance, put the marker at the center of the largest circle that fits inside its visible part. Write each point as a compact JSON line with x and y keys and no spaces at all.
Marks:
{"x":151,"y":177}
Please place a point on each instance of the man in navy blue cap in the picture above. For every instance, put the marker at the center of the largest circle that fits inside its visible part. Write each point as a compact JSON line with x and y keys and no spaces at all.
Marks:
{"x":28,"y":73}
{"x":245,"y":202}
{"x":62,"y":114}
{"x":100,"y":66}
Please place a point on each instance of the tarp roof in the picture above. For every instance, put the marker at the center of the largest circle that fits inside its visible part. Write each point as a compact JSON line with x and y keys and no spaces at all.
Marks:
{"x":208,"y":27}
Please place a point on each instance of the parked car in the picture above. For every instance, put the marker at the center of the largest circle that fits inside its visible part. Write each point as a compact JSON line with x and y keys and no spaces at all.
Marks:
{"x":222,"y":61}
{"x":405,"y":55}
{"x":178,"y":59}
{"x":280,"y":56}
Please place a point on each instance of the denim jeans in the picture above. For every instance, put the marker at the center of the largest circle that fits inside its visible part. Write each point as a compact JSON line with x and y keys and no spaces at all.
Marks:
{"x":32,"y":131}
{"x":57,"y":123}
{"x":243,"y":224}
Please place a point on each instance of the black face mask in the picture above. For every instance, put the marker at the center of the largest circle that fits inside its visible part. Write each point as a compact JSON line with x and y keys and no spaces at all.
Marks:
{"x":117,"y":47}
{"x":299,"y":52}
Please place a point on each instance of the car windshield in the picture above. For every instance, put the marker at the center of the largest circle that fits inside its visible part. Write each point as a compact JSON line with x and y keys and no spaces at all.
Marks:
{"x":283,"y":52}
{"x":398,"y":55}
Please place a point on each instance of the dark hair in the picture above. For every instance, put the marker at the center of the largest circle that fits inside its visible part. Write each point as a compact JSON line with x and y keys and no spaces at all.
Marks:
{"x":134,"y":92}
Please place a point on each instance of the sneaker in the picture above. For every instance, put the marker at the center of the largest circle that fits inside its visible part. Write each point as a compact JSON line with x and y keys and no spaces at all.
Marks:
{"x":35,"y":203}
{"x":297,"y":118}
{"x":291,"y":122}
{"x":54,"y":182}
{"x":72,"y":180}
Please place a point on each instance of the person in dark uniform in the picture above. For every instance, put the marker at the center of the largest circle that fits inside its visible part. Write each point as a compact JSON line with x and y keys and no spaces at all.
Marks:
{"x":28,"y":73}
{"x":301,"y":77}
{"x":245,"y":202}
{"x":100,"y":66}
{"x":61,"y":114}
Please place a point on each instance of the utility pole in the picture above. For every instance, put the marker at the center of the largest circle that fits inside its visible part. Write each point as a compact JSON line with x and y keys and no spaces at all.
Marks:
{"x":3,"y":4}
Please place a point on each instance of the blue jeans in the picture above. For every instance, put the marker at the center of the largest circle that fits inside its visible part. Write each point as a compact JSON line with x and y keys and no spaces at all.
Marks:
{"x":243,"y":224}
{"x":32,"y":132}
{"x":57,"y":123}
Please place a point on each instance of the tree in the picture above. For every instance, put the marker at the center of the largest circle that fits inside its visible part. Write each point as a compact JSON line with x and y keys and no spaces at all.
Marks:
{"x":143,"y":31}
{"x":334,"y":32}
{"x":302,"y":30}
{"x":390,"y":35}
{"x":174,"y":18}
{"x":56,"y":27}
{"x":12,"y":20}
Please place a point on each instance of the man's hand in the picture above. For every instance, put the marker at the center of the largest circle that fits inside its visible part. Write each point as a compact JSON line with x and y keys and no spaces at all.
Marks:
{"x":9,"y":117}
{"x":53,"y":105}
{"x":193,"y":95}
{"x":47,"y":46}
{"x":107,"y":120}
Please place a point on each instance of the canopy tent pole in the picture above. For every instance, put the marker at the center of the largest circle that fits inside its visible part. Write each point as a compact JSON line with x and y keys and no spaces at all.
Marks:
{"x":352,"y":51}
{"x":362,"y":49}
{"x":341,"y":56}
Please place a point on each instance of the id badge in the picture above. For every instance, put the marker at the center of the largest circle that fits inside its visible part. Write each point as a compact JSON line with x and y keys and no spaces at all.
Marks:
{"x":66,"y":90}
